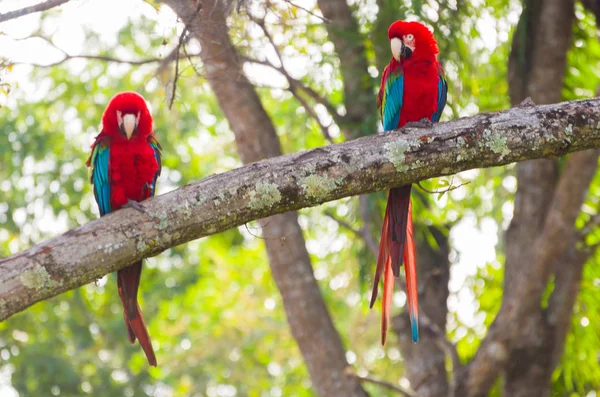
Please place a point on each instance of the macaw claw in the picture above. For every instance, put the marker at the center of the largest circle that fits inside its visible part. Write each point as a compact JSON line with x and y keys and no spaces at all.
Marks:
{"x":423,"y":123}
{"x":136,"y":206}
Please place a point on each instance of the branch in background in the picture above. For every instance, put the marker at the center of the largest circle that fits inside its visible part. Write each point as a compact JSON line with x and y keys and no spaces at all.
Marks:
{"x":439,"y":336}
{"x":363,"y":234}
{"x":295,"y":86}
{"x":448,"y":189}
{"x":591,"y":225}
{"x":291,"y":182}
{"x":442,"y":342}
{"x":32,"y":9}
{"x":289,"y":260}
{"x":386,"y":385}
{"x":183,"y":38}
{"x":306,"y":10}
{"x":102,"y":58}
{"x":177,"y":50}
{"x":311,"y":112}
{"x":344,"y":32}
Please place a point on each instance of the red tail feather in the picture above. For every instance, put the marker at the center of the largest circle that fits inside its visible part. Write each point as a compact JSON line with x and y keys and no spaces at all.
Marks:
{"x":382,"y":257}
{"x":410,"y":269}
{"x":386,"y":304}
{"x":128,"y":280}
{"x":397,"y":246}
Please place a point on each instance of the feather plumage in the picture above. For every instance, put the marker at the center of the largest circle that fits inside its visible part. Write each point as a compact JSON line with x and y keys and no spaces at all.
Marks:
{"x":123,"y":169}
{"x":411,"y":89}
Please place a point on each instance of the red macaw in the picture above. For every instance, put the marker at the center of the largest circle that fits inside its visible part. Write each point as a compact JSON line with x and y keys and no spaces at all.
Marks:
{"x":412,"y":93}
{"x":126,"y":161}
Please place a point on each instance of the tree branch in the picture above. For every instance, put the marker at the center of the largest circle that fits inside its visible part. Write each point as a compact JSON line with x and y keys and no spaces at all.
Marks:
{"x":291,"y":182}
{"x":293,"y":85}
{"x":590,"y":226}
{"x":522,"y":305}
{"x":364,"y":234}
{"x":344,"y":32}
{"x":31,"y":9}
{"x":386,"y":385}
{"x":172,"y":56}
{"x":442,"y":342}
{"x":296,"y":85}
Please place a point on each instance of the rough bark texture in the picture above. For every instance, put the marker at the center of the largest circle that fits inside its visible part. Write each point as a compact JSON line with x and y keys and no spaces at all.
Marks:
{"x":290,"y":263}
{"x":291,"y":182}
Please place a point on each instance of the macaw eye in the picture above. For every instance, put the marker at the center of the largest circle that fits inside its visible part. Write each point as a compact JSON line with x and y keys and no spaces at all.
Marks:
{"x":409,"y":37}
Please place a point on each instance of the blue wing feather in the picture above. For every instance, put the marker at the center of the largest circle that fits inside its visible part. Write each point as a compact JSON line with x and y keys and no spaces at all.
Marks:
{"x":442,"y":95}
{"x":100,"y":177}
{"x":392,"y":99}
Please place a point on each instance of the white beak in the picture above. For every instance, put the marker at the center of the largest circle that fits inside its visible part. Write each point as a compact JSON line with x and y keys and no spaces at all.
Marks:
{"x":128,"y":123}
{"x":396,"y":45}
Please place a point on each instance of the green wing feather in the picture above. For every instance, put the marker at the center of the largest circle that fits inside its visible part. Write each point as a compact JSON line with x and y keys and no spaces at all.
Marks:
{"x":391,"y":94}
{"x":100,"y":176}
{"x":153,"y":142}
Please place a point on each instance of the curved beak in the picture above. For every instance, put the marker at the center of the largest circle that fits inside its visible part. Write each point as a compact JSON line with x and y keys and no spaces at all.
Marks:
{"x":396,"y":45}
{"x":399,"y":49}
{"x":128,"y":123}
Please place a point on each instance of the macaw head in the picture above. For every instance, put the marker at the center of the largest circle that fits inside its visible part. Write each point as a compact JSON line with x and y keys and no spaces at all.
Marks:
{"x":127,"y":116}
{"x":411,"y":40}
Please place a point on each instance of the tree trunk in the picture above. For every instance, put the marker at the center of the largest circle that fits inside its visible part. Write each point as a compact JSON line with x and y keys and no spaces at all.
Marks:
{"x":256,"y":139}
{"x":527,"y":338}
{"x":425,"y":362}
{"x":530,"y":363}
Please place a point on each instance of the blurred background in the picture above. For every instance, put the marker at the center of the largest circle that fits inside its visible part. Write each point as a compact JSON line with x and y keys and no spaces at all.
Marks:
{"x":214,"y":307}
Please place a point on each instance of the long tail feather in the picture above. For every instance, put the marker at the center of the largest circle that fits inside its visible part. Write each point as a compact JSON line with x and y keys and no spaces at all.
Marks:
{"x":386,"y":304}
{"x":128,"y":280}
{"x":398,"y":203}
{"x":410,"y":269}
{"x":382,"y":256}
{"x":397,"y":246}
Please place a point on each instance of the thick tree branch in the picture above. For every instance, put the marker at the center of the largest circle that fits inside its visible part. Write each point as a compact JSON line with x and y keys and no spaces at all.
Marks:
{"x":31,"y":9}
{"x":522,"y":305}
{"x":292,"y":182}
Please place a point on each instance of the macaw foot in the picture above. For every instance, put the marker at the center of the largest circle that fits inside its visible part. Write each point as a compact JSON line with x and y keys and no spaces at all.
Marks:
{"x":136,"y":206}
{"x":423,"y":123}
